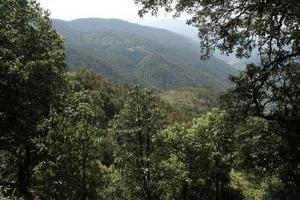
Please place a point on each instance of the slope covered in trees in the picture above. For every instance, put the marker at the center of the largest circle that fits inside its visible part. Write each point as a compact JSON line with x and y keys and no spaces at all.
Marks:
{"x":131,"y":53}
{"x":180,"y":27}
{"x":194,"y":101}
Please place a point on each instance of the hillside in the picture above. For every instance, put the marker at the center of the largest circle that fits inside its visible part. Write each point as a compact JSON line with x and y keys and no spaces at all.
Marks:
{"x":193,"y":101}
{"x":131,"y":53}
{"x":180,"y":27}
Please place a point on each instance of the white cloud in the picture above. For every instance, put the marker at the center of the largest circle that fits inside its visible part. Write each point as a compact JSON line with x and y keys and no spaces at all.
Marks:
{"x":72,"y":9}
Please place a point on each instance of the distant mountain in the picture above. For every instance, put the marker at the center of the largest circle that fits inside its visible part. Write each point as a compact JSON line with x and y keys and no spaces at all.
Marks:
{"x":176,"y":26}
{"x":180,"y":27}
{"x":131,"y":53}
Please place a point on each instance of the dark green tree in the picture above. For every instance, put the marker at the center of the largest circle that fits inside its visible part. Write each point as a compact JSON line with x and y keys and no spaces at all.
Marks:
{"x":70,"y":168}
{"x":134,"y":129}
{"x":32,"y":62}
{"x":271,"y":94}
{"x":107,"y":99}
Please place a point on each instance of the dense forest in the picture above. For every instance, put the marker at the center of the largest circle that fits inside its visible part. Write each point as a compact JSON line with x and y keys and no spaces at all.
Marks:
{"x":79,"y":135}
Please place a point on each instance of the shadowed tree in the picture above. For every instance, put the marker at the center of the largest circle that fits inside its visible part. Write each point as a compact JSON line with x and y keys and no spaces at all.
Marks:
{"x":70,"y":168}
{"x":32,"y":62}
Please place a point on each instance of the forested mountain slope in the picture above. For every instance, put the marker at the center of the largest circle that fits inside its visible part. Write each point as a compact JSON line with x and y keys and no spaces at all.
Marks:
{"x":180,"y":27}
{"x":131,"y":53}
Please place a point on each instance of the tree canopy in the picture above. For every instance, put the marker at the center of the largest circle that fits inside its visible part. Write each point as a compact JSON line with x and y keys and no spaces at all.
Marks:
{"x":31,"y":80}
{"x":270,"y":26}
{"x":269,"y":90}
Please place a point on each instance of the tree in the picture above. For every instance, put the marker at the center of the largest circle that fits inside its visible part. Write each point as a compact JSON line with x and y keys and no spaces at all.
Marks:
{"x":270,"y":90}
{"x":273,"y":96}
{"x":134,"y":130}
{"x":32,"y":62}
{"x":70,"y":168}
{"x":197,"y":160}
{"x":107,"y":98}
{"x":271,"y":26}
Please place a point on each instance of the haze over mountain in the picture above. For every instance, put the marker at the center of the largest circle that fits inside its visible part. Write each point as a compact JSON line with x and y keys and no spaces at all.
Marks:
{"x":180,"y":27}
{"x":131,"y":53}
{"x":176,"y":26}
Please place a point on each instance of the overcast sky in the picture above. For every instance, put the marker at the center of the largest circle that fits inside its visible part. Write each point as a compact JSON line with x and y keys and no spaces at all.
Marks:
{"x":121,"y":9}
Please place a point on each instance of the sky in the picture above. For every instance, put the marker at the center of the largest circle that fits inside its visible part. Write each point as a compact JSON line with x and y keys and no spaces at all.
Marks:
{"x":121,"y":9}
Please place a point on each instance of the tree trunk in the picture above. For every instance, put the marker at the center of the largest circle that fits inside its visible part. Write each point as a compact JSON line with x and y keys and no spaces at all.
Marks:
{"x":217,"y":188}
{"x":185,"y":191}
{"x":24,"y":175}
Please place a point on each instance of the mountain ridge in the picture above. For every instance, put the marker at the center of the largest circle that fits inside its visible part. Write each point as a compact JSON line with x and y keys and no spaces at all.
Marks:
{"x":137,"y":54}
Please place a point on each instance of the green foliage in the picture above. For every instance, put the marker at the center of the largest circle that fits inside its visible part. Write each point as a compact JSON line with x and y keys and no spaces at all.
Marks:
{"x":115,"y":186}
{"x":70,"y":168}
{"x":134,"y":129}
{"x":260,"y":146}
{"x":251,"y":186}
{"x":106,"y":103}
{"x":271,"y":95}
{"x":199,"y":159}
{"x":107,"y":96}
{"x":269,"y":91}
{"x":2,"y":197}
{"x":31,"y":65}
